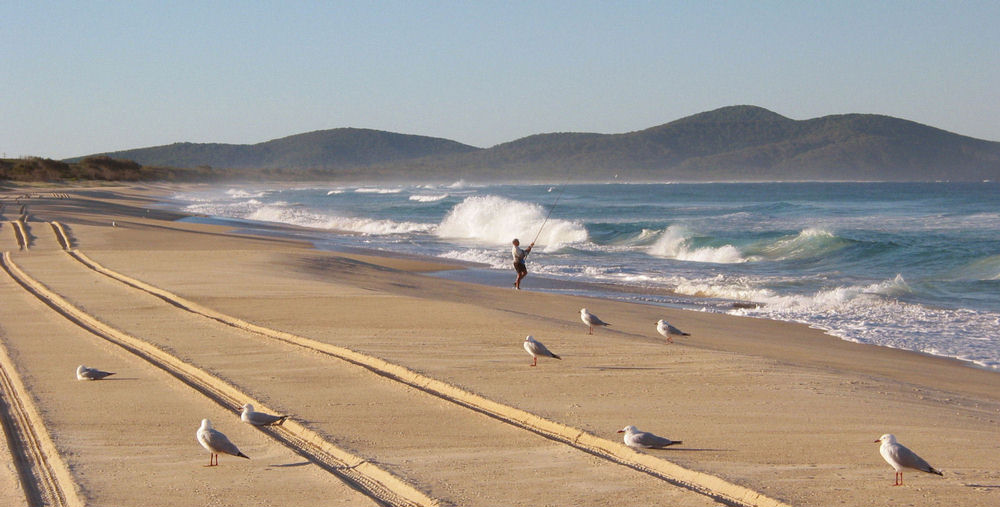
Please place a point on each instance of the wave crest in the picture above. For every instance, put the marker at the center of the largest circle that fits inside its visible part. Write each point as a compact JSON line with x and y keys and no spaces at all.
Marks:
{"x":428,"y":198}
{"x":985,"y":269}
{"x":675,"y":243}
{"x":807,"y":244}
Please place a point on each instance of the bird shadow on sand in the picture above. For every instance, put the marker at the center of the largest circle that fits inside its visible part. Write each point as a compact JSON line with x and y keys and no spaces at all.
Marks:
{"x":290,"y":465}
{"x":116,"y":379}
{"x":689,"y":449}
{"x":607,"y":368}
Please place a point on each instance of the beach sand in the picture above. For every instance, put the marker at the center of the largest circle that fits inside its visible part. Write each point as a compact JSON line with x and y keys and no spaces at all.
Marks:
{"x":761,"y":406}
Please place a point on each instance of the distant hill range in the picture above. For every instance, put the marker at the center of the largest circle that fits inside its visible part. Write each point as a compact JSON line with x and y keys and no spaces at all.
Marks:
{"x":738,"y":143}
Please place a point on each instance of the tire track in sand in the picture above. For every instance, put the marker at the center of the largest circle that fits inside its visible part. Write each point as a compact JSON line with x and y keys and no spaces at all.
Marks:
{"x":20,"y":234}
{"x":44,"y":476}
{"x":378,"y":484}
{"x":711,"y":486}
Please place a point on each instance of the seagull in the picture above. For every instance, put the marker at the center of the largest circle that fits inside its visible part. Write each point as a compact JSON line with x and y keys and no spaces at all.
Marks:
{"x":900,"y":457}
{"x":260,"y":418}
{"x":641,"y":439}
{"x":84,"y":373}
{"x":536,"y":348}
{"x":591,"y":320}
{"x":669,"y":331}
{"x":216,"y":443}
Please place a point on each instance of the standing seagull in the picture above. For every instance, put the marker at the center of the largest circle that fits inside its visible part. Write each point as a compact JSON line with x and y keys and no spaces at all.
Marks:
{"x":643,"y":440}
{"x":591,"y":320}
{"x":216,"y":443}
{"x":535,"y":348}
{"x":669,"y":331}
{"x":249,"y":416}
{"x":84,"y":373}
{"x":900,"y":457}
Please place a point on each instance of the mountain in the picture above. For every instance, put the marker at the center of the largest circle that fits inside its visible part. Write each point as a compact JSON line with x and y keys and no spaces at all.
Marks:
{"x":744,"y":143}
{"x":323,"y":149}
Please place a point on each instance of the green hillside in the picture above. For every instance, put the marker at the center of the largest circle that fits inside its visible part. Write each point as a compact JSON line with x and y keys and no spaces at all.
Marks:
{"x":745,"y":143}
{"x":748,"y":143}
{"x":324,"y":149}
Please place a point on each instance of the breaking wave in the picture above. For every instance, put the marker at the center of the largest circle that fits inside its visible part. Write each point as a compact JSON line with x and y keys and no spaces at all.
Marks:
{"x":428,"y":198}
{"x":496,"y":220}
{"x":807,"y":244}
{"x":676,"y":243}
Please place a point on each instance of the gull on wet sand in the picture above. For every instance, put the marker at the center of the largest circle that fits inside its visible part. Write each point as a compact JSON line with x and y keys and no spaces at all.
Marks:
{"x":643,"y":440}
{"x":84,"y":373}
{"x":250,"y":416}
{"x":591,"y":320}
{"x":536,"y":348}
{"x":669,"y":331}
{"x":216,"y":443}
{"x":899,"y":457}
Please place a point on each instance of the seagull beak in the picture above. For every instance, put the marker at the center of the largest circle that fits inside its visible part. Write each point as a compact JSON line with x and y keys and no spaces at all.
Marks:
{"x":877,"y":440}
{"x":621,"y":431}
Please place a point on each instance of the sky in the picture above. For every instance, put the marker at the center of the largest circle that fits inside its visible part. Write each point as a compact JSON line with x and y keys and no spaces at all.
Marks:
{"x":87,"y":77}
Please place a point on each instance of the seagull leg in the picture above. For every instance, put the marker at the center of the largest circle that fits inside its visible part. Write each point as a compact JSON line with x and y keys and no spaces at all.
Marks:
{"x":899,"y":479}
{"x":534,"y":361}
{"x":591,"y":330}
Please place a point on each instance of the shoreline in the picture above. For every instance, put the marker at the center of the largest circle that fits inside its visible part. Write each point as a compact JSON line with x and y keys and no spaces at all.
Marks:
{"x":466,"y":271}
{"x":749,"y":397}
{"x":471,"y":272}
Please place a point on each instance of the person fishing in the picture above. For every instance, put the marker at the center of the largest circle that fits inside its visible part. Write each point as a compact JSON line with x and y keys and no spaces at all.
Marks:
{"x":519,"y":266}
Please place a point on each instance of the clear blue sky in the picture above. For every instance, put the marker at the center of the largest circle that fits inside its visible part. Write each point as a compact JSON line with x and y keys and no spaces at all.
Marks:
{"x":93,"y":76}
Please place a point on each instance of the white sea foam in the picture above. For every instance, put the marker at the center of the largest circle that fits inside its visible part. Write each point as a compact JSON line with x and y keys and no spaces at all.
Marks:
{"x":494,"y":258}
{"x":284,"y":213}
{"x":239,"y":193}
{"x":744,"y":288}
{"x":873,"y":313}
{"x":497,"y":220}
{"x":674,"y":243}
{"x":428,"y":198}
{"x":377,"y":190}
{"x":361,"y":225}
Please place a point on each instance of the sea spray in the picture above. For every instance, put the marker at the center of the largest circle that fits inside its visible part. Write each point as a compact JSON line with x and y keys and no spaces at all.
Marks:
{"x":497,"y":220}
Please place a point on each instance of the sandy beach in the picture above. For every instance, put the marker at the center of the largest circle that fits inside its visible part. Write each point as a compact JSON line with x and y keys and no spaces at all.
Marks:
{"x":407,"y":389}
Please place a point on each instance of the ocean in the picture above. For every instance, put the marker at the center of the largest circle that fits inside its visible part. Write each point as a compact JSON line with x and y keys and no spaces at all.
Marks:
{"x":913,"y":266}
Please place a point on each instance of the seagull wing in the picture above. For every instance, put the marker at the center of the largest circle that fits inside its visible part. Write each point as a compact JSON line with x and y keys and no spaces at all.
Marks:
{"x":909,"y":459}
{"x":217,"y":442}
{"x":673,"y":330}
{"x":94,"y":374}
{"x":539,"y":349}
{"x":650,"y":440}
{"x":262,"y":419}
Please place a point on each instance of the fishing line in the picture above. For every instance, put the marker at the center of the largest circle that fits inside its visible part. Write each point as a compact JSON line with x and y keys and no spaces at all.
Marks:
{"x":562,"y":188}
